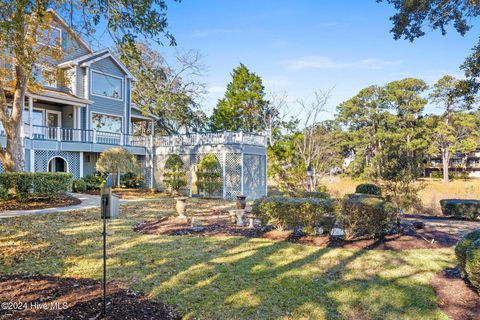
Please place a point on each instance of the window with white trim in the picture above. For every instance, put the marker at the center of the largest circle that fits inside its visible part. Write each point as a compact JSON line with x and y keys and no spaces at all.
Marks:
{"x":106,"y":85}
{"x":106,"y":123}
{"x":46,"y":77}
{"x":51,"y":37}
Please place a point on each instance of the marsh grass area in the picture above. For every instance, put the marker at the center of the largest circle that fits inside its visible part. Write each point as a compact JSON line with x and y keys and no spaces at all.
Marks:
{"x":434,"y":190}
{"x":226,"y":277}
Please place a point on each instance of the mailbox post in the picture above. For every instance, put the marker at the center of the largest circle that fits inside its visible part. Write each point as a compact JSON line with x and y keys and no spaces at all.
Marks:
{"x":109,"y":209}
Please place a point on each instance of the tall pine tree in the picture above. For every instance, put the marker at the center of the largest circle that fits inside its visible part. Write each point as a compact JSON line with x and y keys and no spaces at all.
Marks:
{"x":244,"y":106}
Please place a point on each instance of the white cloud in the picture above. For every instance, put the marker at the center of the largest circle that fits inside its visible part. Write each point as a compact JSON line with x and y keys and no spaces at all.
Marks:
{"x":322,"y":62}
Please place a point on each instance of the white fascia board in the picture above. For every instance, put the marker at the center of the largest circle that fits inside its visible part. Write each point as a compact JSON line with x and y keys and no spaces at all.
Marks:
{"x":118,"y":62}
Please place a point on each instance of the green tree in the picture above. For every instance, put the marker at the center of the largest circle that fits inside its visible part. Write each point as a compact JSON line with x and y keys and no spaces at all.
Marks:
{"x":169,"y":91}
{"x":209,"y":175}
{"x":364,"y":119}
{"x":453,"y":131}
{"x":26,"y":23}
{"x":413,"y":17}
{"x":244,"y":105}
{"x":406,"y":130}
{"x":116,"y":161}
{"x":175,"y":176}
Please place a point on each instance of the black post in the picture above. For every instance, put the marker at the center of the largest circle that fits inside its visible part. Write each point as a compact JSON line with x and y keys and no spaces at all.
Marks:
{"x":104,"y":257}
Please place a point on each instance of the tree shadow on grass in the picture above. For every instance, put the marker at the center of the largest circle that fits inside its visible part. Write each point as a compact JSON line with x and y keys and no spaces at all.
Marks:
{"x":239,"y":278}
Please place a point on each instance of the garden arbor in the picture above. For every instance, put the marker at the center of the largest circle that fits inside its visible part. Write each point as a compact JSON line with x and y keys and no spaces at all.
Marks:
{"x":242,"y":158}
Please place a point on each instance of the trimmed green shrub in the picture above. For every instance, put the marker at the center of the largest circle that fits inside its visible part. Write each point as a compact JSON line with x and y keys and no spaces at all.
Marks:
{"x":462,"y":246}
{"x":25,"y":185}
{"x":310,"y":194}
{"x":132,"y":180}
{"x":472,"y":264}
{"x":284,"y":212}
{"x":79,"y":185}
{"x":4,"y":194}
{"x":94,"y":181}
{"x":460,"y":208}
{"x":368,"y":188}
{"x":175,"y":176}
{"x":366,"y":215}
{"x":209,"y":175}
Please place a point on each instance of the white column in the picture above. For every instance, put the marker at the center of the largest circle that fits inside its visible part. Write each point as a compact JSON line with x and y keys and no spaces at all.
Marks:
{"x":32,"y":159}
{"x":241,"y":174}
{"x":87,"y":96}
{"x":224,"y":174}
{"x":30,"y":115}
{"x":81,"y":164}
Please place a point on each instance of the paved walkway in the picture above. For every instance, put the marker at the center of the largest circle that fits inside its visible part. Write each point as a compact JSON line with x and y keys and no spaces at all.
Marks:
{"x":450,"y":226}
{"x":88,"y":202}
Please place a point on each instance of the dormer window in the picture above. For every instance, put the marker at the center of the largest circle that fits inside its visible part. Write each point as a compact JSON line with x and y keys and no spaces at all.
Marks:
{"x":51,"y":36}
{"x":106,"y":85}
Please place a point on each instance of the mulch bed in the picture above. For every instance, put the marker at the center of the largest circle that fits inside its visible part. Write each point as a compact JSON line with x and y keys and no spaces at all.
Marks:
{"x":218,"y":223}
{"x":48,"y":297}
{"x":39,"y":203}
{"x":455,"y":297}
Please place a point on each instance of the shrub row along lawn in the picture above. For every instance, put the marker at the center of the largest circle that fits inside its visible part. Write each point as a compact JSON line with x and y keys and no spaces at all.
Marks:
{"x":227,"y":277}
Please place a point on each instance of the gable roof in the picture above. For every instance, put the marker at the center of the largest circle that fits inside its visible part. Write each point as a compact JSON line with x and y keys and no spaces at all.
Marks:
{"x":69,"y":29}
{"x":88,"y":59}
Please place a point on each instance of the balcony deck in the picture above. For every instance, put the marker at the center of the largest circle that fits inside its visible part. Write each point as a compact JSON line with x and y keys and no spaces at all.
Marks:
{"x":69,"y":139}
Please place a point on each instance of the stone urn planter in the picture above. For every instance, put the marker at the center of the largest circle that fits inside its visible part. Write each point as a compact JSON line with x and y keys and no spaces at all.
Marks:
{"x":238,"y":215}
{"x":181,"y":206}
{"x":241,"y":202}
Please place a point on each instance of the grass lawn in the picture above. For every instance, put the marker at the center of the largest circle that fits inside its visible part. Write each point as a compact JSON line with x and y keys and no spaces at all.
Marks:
{"x":227,"y":277}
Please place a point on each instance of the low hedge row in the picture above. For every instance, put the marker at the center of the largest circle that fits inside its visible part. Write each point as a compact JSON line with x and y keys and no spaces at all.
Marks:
{"x":286,"y":212}
{"x":24,"y":185}
{"x":364,"y":215}
{"x":461,"y":208}
{"x":359,"y":215}
{"x":467,"y":251}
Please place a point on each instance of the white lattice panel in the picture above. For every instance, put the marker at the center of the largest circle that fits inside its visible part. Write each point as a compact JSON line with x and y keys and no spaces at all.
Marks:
{"x":254,"y":175}
{"x":42,"y":158}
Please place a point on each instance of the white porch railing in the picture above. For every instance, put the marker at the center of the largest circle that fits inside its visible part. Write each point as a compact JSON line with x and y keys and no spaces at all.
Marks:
{"x":112,"y":138}
{"x":210,"y":138}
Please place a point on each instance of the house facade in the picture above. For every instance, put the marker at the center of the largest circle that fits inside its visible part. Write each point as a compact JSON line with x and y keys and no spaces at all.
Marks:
{"x":68,"y":124}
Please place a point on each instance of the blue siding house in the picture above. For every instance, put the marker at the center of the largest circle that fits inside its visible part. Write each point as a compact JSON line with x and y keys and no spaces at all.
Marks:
{"x":67,"y":125}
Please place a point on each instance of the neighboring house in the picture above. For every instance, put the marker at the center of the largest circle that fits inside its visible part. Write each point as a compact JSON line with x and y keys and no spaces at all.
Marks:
{"x":67,"y":125}
{"x":469,"y":163}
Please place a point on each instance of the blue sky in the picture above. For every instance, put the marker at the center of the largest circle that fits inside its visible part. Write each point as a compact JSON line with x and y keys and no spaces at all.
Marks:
{"x":306,"y":45}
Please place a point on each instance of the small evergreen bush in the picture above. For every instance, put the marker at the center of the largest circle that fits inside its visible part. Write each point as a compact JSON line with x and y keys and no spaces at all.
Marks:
{"x":175,"y":176}
{"x":364,"y":215}
{"x":310,"y":194}
{"x":461,"y":208}
{"x":209,"y":175}
{"x":132,"y":180}
{"x":368,"y":188}
{"x":79,"y":185}
{"x":462,"y":246}
{"x":285,"y":212}
{"x":94,"y":181}
{"x":472,"y":264}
